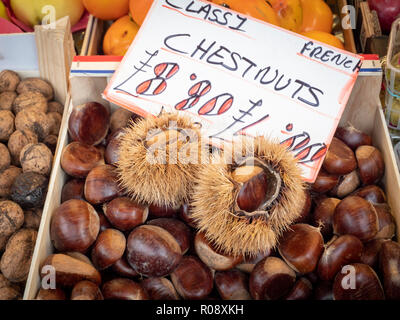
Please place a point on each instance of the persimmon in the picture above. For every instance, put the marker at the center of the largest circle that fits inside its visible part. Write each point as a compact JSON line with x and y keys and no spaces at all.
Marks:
{"x":324,"y":37}
{"x":316,"y":16}
{"x":259,"y":9}
{"x":107,"y":9}
{"x":290,"y":13}
{"x":139,"y":9}
{"x":119,"y":36}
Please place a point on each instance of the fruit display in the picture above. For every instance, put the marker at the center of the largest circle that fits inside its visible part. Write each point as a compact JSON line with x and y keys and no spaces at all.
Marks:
{"x":115,"y":240}
{"x":29,"y":124}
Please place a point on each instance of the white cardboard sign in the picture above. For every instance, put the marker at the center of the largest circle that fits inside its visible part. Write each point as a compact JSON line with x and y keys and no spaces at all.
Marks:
{"x":236,"y":75}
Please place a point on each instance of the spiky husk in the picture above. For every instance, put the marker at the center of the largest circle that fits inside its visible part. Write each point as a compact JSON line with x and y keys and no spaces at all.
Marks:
{"x":214,"y":196}
{"x":150,"y":182}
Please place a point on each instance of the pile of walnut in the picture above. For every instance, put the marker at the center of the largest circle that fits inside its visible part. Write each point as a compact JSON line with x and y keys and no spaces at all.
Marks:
{"x":110,"y":247}
{"x":29,"y":126}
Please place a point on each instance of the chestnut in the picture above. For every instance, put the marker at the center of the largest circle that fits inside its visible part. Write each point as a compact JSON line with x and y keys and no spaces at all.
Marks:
{"x":346,"y":185}
{"x":125,"y":214}
{"x":355,"y":216}
{"x":249,"y":262}
{"x":108,"y":248}
{"x":73,"y":189}
{"x":232,"y":285}
{"x":152,"y":251}
{"x":271,"y":279}
{"x":386,"y":225}
{"x":160,"y":289}
{"x":180,"y":231}
{"x":339,"y":252}
{"x":323,"y":290}
{"x":51,"y":294}
{"x":325,"y":182}
{"x":86,"y":290}
{"x":70,"y":271}
{"x":301,"y":247}
{"x":78,"y":159}
{"x":192,"y":279}
{"x":211,"y":256}
{"x":104,"y":223}
{"x":302,"y":290}
{"x":357,"y":282}
{"x":79,"y":256}
{"x":370,"y":254}
{"x":111,"y":154}
{"x":371,"y":165}
{"x":184,"y":215}
{"x":371,"y":193}
{"x":89,"y":123}
{"x":389,"y":261}
{"x":122,"y":268}
{"x":353,"y":137}
{"x":156,"y":211}
{"x":323,"y":216}
{"x":74,"y":226}
{"x":101,"y":184}
{"x":339,"y":159}
{"x":123,"y":289}
{"x":304,"y":216}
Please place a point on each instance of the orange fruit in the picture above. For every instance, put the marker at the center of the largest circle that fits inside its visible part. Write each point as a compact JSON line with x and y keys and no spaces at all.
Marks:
{"x":107,"y":9}
{"x":259,"y":9}
{"x":324,"y":37}
{"x":119,"y":36}
{"x":316,"y":16}
{"x":139,"y":9}
{"x":290,"y":13}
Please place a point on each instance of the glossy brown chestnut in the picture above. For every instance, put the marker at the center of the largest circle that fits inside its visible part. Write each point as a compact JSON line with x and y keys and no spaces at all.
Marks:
{"x":192,"y":279}
{"x":51,"y":294}
{"x":389,"y":260}
{"x":184,"y":215}
{"x":108,"y":248}
{"x":302,"y":290}
{"x":355,"y":216}
{"x":123,"y":269}
{"x":79,"y":256}
{"x":338,"y":252}
{"x":104,"y":223}
{"x":340,"y":158}
{"x":370,"y":254}
{"x":125,"y":214}
{"x":305,"y":211}
{"x":353,"y":137}
{"x":78,"y":159}
{"x":323,"y":290}
{"x":69,"y":271}
{"x":248,"y":263}
{"x":323,"y":216}
{"x":152,"y":251}
{"x":387,"y":227}
{"x":346,"y":185}
{"x":357,"y":282}
{"x":371,"y":165}
{"x":156,"y":211}
{"x":74,"y":226}
{"x":371,"y":193}
{"x":271,"y":279}
{"x":180,"y":231}
{"x":160,"y":289}
{"x":101,"y":184}
{"x":301,"y":247}
{"x":111,"y":154}
{"x":232,"y":285}
{"x":123,"y":289}
{"x":89,"y":123}
{"x":73,"y":189}
{"x":86,"y":290}
{"x":325,"y":182}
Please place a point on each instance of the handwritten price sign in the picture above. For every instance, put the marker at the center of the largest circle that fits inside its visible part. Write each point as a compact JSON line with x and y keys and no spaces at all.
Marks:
{"x":236,"y":76}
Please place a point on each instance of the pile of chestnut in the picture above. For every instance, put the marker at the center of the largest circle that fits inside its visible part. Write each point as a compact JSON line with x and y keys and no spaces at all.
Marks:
{"x":107,"y":246}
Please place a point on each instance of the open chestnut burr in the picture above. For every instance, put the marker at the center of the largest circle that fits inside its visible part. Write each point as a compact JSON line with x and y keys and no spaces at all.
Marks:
{"x":248,"y":196}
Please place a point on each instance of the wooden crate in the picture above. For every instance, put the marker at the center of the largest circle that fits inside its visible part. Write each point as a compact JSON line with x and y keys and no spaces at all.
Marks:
{"x":363,"y":111}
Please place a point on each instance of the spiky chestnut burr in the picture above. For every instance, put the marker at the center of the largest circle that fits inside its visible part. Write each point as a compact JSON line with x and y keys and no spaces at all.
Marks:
{"x":158,"y":159}
{"x":245,"y":206}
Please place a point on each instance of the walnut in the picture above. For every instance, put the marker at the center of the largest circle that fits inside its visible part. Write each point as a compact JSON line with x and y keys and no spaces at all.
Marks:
{"x":36,"y":121}
{"x":36,"y":158}
{"x":7,"y":126}
{"x":30,"y":100}
{"x":36,"y":84}
{"x":6,"y":100}
{"x":18,"y":140}
{"x":9,"y":80}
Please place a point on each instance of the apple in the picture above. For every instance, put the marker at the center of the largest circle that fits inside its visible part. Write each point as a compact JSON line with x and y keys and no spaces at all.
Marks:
{"x":388,"y":11}
{"x":3,"y":11}
{"x":32,"y":12}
